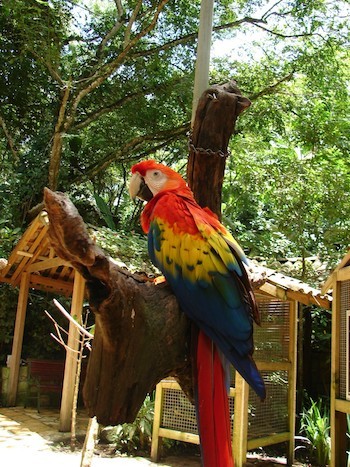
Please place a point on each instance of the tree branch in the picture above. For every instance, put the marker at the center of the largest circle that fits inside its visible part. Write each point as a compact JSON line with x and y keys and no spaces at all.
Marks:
{"x":193,"y":36}
{"x":112,"y":32}
{"x":270,"y":10}
{"x":56,"y":150}
{"x":272,"y":88}
{"x":135,"y":144}
{"x":120,"y":102}
{"x":285,"y":36}
{"x":52,"y":71}
{"x":105,"y":71}
{"x":9,"y":139}
{"x":140,"y":337}
{"x":131,"y":22}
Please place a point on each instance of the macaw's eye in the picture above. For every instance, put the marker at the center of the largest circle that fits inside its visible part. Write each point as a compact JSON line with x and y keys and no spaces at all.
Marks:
{"x":156,"y":173}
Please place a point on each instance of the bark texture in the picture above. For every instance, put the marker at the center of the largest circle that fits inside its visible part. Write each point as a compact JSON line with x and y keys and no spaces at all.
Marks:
{"x":141,"y":335}
{"x":217,"y":111}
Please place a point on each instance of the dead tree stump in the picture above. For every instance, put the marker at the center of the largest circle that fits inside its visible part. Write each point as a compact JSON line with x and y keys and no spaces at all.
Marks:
{"x":217,"y":112}
{"x":141,"y":335}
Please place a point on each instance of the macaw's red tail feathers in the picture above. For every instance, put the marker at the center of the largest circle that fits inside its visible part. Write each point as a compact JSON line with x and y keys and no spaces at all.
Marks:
{"x":212,"y":406}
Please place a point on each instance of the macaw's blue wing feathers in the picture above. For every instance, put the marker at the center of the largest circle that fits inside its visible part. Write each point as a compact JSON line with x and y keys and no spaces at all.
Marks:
{"x":205,"y":270}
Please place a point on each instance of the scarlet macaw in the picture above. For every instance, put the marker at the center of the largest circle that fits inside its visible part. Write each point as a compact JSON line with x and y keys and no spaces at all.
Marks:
{"x":204,"y":266}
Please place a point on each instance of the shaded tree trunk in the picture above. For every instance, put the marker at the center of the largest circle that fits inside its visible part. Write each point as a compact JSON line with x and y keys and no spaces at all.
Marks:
{"x":216,"y":115}
{"x":141,"y":335}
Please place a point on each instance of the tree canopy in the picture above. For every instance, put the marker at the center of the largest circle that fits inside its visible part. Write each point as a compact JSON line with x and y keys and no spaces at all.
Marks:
{"x":88,"y":88}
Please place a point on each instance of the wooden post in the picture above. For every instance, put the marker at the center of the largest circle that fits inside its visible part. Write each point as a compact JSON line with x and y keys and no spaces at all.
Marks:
{"x":158,"y":411}
{"x":336,"y":453}
{"x":87,"y":452}
{"x":71,"y":357}
{"x":18,"y":339}
{"x":293,"y":338}
{"x":240,"y":421}
{"x":201,"y":78}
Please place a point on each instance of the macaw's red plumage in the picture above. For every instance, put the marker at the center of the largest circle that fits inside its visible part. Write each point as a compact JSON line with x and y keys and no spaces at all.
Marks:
{"x":204,"y":265}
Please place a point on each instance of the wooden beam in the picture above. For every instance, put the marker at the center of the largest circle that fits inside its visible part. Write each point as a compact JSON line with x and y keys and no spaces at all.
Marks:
{"x":274,"y":290}
{"x":71,"y":357}
{"x":292,"y":377}
{"x":54,"y":284}
{"x":274,"y":366}
{"x":179,"y":435}
{"x":284,"y":293}
{"x":343,"y":274}
{"x":36,"y":249}
{"x":22,"y":243}
{"x":18,"y":340}
{"x":268,"y":440}
{"x":335,"y":373}
{"x":332,"y":277}
{"x":158,"y":413}
{"x":341,"y":405}
{"x":240,"y":421}
{"x":24,"y":253}
{"x":309,"y":299}
{"x":47,"y":264}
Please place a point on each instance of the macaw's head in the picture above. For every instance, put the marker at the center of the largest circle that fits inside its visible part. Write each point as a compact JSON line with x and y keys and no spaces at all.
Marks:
{"x":149,"y":178}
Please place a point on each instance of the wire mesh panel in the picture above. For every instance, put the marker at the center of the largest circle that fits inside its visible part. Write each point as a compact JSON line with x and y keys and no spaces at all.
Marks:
{"x":271,"y":416}
{"x":344,"y":307}
{"x":272,"y":352}
{"x":178,"y":412}
{"x":272,"y":344}
{"x":271,"y":339}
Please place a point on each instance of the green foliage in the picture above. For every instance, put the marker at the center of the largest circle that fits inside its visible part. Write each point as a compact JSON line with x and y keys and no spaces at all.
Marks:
{"x":105,"y":211}
{"x":37,"y":342}
{"x":8,"y":238}
{"x":129,"y":248}
{"x":321,"y":329}
{"x":287,"y":184}
{"x":132,"y":437}
{"x":297,"y":85}
{"x":8,"y":307}
{"x":315,"y":425}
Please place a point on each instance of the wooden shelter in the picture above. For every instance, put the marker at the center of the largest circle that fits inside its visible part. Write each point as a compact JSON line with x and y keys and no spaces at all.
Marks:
{"x":339,"y":283}
{"x":253,"y":423}
{"x":34,"y":264}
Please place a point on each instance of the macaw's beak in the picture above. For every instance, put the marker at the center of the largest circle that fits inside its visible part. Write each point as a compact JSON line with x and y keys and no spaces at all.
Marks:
{"x":138,"y":188}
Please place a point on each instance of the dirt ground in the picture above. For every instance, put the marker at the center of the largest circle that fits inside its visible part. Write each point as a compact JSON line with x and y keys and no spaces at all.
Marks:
{"x":32,"y":439}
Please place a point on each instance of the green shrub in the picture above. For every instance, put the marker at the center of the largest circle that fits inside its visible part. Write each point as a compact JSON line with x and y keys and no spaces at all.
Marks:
{"x":132,"y":437}
{"x":315,"y":427}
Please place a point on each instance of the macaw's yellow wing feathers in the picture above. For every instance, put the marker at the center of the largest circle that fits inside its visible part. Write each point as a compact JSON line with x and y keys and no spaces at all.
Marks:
{"x":204,"y":266}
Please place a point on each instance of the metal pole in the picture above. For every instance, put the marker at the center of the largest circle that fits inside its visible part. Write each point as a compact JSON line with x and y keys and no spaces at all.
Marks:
{"x":201,"y":79}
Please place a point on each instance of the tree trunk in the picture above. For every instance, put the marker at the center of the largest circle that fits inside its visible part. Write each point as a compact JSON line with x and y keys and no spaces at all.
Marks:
{"x":57,"y":141}
{"x":217,"y":112}
{"x":141,"y":336}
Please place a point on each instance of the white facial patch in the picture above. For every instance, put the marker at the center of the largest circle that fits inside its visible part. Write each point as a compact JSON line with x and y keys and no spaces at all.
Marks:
{"x":155,"y":180}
